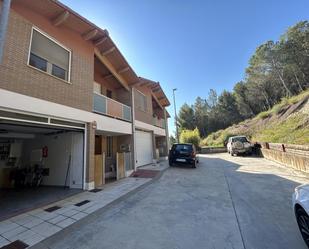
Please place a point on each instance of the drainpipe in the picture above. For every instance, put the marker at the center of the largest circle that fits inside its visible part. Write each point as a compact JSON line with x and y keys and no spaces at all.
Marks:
{"x":4,"y":18}
{"x":133,"y":127}
{"x":167,"y":137}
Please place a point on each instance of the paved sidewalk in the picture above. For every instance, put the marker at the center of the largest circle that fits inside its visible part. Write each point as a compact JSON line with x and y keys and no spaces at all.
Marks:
{"x":39,"y":224}
{"x":226,"y":202}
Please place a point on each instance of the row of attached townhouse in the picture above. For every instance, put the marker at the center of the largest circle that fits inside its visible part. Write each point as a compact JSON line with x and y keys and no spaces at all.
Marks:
{"x":71,"y":104}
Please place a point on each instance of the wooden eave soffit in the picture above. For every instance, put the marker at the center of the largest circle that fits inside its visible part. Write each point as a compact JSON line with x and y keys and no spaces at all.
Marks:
{"x":158,"y":102}
{"x":90,"y":34}
{"x":111,"y":68}
{"x":61,"y":18}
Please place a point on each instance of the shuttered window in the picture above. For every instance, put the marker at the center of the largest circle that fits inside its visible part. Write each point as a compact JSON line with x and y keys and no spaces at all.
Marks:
{"x":49,"y":56}
{"x":141,"y":101}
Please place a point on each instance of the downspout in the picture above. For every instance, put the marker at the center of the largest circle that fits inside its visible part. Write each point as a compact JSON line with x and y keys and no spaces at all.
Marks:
{"x":4,"y":18}
{"x":133,"y":128}
{"x":167,"y":137}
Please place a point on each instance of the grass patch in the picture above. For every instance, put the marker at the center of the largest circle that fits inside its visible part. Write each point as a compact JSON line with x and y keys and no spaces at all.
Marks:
{"x":294,"y":129}
{"x":287,"y":131}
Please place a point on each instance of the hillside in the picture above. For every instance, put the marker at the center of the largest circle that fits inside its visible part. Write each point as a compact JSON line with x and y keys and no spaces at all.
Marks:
{"x":286,"y":122}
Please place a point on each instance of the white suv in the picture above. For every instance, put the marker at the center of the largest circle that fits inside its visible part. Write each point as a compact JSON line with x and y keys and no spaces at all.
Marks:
{"x":239,"y":145}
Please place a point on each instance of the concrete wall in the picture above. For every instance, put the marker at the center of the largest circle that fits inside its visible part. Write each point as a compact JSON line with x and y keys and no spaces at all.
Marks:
{"x":209,"y":150}
{"x":297,"y":159}
{"x":60,"y":147}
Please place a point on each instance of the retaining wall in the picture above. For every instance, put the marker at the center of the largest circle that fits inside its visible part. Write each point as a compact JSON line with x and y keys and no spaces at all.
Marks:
{"x":209,"y":150}
{"x":294,"y":156}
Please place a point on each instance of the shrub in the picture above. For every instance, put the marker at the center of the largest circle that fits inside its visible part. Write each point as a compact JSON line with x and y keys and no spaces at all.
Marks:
{"x":190,"y":136}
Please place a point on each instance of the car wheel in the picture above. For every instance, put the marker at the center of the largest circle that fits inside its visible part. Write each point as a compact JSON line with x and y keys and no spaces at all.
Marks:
{"x":303,"y":224}
{"x":170,"y":163}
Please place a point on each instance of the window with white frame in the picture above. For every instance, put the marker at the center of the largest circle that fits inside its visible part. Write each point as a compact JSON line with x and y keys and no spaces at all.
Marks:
{"x":141,"y":101}
{"x":49,"y":56}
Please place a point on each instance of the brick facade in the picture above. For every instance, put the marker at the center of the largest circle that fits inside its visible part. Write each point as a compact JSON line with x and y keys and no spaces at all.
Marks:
{"x":17,"y":76}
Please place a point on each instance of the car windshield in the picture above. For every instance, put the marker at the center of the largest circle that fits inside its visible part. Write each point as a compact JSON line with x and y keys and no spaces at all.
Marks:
{"x":183,"y":147}
{"x":240,"y":139}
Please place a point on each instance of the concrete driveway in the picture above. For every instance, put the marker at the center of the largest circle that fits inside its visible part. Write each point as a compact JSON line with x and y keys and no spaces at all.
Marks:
{"x":227,"y":202}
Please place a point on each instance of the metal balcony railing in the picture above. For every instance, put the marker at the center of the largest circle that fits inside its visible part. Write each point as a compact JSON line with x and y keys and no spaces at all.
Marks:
{"x":111,"y":107}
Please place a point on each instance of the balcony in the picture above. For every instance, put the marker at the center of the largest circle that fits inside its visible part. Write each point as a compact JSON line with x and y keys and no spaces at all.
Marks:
{"x":107,"y":106}
{"x":159,"y":122}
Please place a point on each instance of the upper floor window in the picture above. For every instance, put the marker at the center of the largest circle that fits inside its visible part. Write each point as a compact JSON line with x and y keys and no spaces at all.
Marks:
{"x":141,"y":101}
{"x":49,"y":56}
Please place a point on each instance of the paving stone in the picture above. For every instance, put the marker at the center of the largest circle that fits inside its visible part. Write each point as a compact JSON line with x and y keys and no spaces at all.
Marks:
{"x":7,"y":225}
{"x":66,"y":222}
{"x":46,"y":215}
{"x":33,"y":222}
{"x":70,"y":213}
{"x":34,"y":239}
{"x":79,"y":216}
{"x":3,"y":241}
{"x":24,"y":235}
{"x":57,"y":219}
{"x":46,"y":229}
{"x":22,"y":219}
{"x":92,"y":209}
{"x":64,"y":209}
{"x":11,"y":235}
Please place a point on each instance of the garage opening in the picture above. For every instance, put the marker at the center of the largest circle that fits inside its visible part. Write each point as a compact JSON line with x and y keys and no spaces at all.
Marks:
{"x":144,"y":148}
{"x":39,"y":164}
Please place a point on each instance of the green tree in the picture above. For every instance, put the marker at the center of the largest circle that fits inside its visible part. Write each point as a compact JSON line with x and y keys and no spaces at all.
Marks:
{"x":228,"y":113}
{"x":186,"y":119}
{"x":201,"y":115}
{"x":190,"y":136}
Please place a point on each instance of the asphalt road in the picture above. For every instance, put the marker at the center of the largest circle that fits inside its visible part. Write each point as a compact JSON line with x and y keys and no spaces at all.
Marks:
{"x":227,"y":202}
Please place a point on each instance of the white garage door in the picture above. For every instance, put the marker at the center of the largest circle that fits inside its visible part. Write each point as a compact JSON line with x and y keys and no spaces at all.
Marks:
{"x":143,"y":148}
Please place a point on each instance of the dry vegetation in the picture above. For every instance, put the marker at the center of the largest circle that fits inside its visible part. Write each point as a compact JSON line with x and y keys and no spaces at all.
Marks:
{"x":286,"y":122}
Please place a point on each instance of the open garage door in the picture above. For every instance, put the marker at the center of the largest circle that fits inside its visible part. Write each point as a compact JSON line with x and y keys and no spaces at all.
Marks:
{"x":144,"y":148}
{"x":39,"y":164}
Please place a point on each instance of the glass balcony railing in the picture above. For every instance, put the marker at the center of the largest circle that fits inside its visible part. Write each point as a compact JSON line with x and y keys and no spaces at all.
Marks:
{"x":159,"y":122}
{"x":110,"y":107}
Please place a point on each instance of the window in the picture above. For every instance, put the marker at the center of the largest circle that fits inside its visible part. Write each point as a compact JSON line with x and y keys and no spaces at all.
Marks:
{"x":240,"y":139}
{"x":141,"y":101}
{"x":183,"y":147}
{"x":48,"y":56}
{"x":109,"y":146}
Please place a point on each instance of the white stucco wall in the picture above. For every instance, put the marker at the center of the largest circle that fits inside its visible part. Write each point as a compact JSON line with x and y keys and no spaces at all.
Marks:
{"x":19,"y":102}
{"x":156,"y":130}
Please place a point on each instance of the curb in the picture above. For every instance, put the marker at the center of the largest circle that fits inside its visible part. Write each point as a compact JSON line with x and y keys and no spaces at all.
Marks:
{"x":65,"y":231}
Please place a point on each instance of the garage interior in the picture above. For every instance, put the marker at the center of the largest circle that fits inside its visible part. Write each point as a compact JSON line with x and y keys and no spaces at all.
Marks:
{"x":39,"y":164}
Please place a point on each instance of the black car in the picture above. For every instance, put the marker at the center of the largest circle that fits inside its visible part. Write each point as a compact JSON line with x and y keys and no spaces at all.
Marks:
{"x":183,"y":153}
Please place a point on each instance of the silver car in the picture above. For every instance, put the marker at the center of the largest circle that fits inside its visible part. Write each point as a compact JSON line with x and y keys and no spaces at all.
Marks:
{"x":300,"y":202}
{"x":239,"y":145}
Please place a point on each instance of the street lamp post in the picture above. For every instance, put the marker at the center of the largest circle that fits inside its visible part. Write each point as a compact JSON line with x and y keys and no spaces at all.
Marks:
{"x":176,"y":123}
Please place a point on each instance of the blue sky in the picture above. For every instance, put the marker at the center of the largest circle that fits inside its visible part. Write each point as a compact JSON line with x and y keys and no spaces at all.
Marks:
{"x":191,"y":45}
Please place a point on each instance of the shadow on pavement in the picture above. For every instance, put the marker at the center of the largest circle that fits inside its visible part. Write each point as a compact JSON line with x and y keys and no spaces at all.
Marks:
{"x":262,"y":203}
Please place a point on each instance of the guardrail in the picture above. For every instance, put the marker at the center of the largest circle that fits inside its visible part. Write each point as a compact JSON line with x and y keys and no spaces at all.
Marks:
{"x":111,"y":107}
